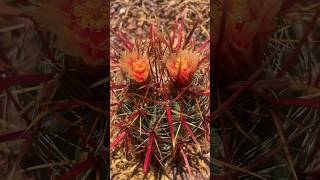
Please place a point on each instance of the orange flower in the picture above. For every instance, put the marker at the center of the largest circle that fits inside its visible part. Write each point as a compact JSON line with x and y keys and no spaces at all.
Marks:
{"x":249,"y":25}
{"x":89,"y":21}
{"x":81,"y":26}
{"x":182,"y":66}
{"x":135,"y":65}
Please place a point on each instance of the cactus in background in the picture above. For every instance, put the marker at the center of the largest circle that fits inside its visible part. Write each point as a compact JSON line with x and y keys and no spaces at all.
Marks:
{"x":248,"y":25}
{"x":161,"y":105}
{"x":266,"y":121}
{"x":81,"y":26}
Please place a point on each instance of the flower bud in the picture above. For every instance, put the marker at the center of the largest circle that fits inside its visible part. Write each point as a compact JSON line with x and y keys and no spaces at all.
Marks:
{"x":135,"y":65}
{"x":182,"y":66}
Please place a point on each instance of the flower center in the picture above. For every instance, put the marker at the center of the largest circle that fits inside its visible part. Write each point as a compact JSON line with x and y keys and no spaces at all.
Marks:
{"x":91,"y":14}
{"x":181,"y":63}
{"x":139,"y":67}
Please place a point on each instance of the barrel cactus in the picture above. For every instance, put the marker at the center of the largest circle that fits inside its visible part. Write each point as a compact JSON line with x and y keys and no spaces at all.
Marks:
{"x":160,"y":102}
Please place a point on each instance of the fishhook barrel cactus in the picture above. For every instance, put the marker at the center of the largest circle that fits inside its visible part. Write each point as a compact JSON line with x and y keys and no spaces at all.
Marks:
{"x":160,"y":111}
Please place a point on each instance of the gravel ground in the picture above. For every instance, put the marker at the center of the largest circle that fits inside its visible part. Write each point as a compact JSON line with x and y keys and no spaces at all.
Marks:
{"x":134,"y":17}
